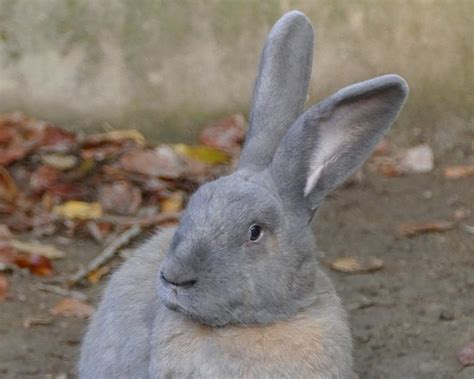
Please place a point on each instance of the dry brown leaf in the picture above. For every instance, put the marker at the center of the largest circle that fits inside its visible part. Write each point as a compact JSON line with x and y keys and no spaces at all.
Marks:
{"x":7,"y":254}
{"x":78,"y":210}
{"x":383,"y":147}
{"x":460,"y":214}
{"x":69,"y":191}
{"x":5,"y":232}
{"x":226,"y":134}
{"x":12,"y":154}
{"x":466,"y":355}
{"x":460,"y":171}
{"x":121,"y":197}
{"x":59,"y":161}
{"x":48,"y":251}
{"x":72,"y":307}
{"x":37,"y":264}
{"x":51,"y":138}
{"x":116,"y":136}
{"x":356,"y":264}
{"x":43,"y":178}
{"x":174,"y":203}
{"x":95,"y":276}
{"x":162,"y":162}
{"x":8,"y":188}
{"x":413,"y":228}
{"x":389,"y":169}
{"x":3,"y":287}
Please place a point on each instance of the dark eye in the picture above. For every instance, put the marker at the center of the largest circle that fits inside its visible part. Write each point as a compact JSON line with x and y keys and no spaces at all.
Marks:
{"x":255,"y":232}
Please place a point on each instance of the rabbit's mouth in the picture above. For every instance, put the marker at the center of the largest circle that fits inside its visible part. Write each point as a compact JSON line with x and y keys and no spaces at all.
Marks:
{"x":173,"y":305}
{"x":170,"y":295}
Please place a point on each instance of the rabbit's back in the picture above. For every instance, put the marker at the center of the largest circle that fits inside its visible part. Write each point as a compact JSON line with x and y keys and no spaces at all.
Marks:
{"x":117,"y":343}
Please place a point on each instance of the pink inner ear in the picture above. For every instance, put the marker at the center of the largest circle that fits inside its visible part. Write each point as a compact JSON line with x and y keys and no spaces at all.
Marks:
{"x":341,"y":133}
{"x":331,"y":141}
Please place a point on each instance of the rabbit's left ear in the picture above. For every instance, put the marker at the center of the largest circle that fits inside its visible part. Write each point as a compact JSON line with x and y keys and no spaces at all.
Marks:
{"x":332,"y":139}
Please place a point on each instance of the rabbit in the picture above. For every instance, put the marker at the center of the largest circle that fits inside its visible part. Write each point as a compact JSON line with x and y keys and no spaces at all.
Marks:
{"x":235,"y":290}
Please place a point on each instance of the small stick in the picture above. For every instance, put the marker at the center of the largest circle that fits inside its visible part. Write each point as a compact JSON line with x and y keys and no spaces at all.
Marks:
{"x":122,"y":240}
{"x":468,"y":228}
{"x":143,"y":221}
{"x":60,"y":291}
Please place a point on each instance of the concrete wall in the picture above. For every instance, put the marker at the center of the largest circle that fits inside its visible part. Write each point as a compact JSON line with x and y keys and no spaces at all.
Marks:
{"x":167,"y":66}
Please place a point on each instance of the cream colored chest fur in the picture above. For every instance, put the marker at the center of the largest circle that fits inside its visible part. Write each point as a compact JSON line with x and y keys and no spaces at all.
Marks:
{"x":305,"y":344}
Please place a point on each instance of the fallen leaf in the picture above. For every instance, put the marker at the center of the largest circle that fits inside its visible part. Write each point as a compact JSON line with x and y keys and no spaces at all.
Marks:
{"x":7,"y":254}
{"x":356,"y":264}
{"x":72,"y":307}
{"x":121,"y":197}
{"x":174,"y":203}
{"x":388,"y":168}
{"x":226,"y":134}
{"x":48,"y":251}
{"x":8,"y":188}
{"x":413,"y":228}
{"x":12,"y":154}
{"x":3,"y":287}
{"x":52,"y":138}
{"x":37,"y":264}
{"x":78,"y":210}
{"x":461,"y":213}
{"x":59,"y":161}
{"x":43,"y":177}
{"x":5,"y":232}
{"x":95,"y":276}
{"x":101,"y":152}
{"x":457,"y":172}
{"x":383,"y":147}
{"x":203,"y":153}
{"x":418,"y":159}
{"x":116,"y":136}
{"x":162,"y":162}
{"x":466,"y":355}
{"x":69,"y":191}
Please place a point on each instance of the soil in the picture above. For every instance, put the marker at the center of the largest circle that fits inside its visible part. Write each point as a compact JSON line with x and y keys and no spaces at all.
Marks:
{"x":409,"y":319}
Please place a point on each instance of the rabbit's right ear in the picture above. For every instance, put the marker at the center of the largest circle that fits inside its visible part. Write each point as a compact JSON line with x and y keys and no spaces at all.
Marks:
{"x":280,"y":90}
{"x":332,"y":139}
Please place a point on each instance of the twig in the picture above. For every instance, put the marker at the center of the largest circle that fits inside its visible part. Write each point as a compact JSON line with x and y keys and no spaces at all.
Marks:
{"x":144,"y":222}
{"x":60,"y":291}
{"x":122,"y":240}
{"x":468,"y":228}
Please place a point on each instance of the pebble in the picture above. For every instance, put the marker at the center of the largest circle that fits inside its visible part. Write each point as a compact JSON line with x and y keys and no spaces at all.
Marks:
{"x":446,"y":315}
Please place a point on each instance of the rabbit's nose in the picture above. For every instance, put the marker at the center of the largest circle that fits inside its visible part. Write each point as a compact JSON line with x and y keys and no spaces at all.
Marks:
{"x":183,"y":282}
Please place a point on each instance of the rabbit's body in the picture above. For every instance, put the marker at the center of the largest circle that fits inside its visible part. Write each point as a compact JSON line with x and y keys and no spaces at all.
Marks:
{"x":236,"y":289}
{"x":314,"y":343}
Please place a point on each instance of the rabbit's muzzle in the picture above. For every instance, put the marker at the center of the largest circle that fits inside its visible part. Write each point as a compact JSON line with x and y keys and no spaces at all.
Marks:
{"x":177,"y":282}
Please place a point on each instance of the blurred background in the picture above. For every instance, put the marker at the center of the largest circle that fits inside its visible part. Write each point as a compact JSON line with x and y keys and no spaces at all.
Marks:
{"x":168,"y":66}
{"x":113,"y":112}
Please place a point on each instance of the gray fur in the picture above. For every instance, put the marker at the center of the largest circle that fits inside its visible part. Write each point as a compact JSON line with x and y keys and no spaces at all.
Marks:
{"x":280,"y":89}
{"x":203,"y":301}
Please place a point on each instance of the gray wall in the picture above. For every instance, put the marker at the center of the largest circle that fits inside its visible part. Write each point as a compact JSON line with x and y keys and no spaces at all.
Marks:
{"x":167,"y":66}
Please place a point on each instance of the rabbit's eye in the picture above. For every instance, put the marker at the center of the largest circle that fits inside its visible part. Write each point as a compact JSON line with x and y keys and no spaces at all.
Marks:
{"x":255,"y":232}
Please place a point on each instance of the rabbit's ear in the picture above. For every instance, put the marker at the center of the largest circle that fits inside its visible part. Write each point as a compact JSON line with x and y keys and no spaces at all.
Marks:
{"x":280,"y":90}
{"x":332,"y":139}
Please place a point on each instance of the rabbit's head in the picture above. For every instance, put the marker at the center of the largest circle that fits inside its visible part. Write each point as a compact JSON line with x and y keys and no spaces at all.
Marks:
{"x":244,"y":250}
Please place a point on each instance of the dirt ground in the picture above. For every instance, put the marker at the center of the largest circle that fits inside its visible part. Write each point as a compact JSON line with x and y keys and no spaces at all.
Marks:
{"x":409,"y":319}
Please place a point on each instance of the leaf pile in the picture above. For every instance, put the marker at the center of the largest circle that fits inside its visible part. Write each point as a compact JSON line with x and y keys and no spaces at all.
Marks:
{"x":53,"y":181}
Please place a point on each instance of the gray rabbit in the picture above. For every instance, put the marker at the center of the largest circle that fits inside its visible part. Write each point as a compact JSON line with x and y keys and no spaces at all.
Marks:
{"x":236,"y":290}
